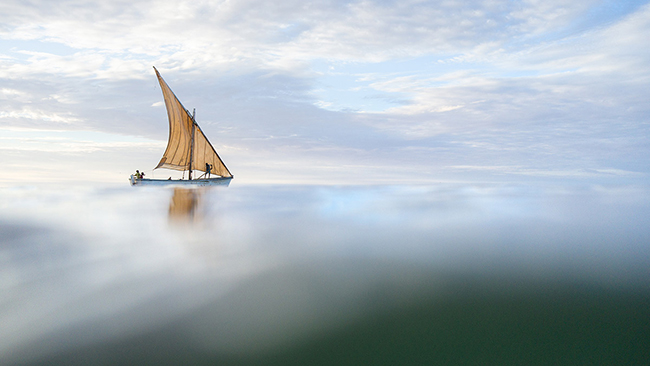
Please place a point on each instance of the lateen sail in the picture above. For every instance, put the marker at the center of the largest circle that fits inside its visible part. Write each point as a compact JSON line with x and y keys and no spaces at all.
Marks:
{"x":205,"y":153}
{"x":179,"y":146}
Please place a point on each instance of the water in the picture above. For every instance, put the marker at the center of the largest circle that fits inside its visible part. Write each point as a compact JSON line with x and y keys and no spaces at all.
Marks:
{"x":321,"y":275}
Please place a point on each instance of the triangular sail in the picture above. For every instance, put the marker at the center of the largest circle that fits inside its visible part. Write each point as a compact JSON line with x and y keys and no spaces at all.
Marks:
{"x":177,"y":155}
{"x":204,"y":154}
{"x":179,"y":145}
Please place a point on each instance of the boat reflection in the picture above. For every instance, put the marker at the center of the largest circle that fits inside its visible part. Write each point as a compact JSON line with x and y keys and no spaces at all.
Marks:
{"x":185,"y":206}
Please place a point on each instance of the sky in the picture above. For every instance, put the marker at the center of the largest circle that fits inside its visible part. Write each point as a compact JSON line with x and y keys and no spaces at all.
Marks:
{"x":330,"y":92}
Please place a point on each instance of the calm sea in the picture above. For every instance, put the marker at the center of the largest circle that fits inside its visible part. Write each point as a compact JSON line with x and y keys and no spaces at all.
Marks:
{"x":449,"y":274}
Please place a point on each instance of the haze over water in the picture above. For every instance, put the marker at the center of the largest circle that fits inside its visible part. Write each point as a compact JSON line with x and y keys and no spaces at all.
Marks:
{"x":288,"y":274}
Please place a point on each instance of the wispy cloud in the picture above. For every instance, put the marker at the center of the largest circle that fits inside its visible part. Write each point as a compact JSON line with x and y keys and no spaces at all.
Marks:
{"x":540,"y":85}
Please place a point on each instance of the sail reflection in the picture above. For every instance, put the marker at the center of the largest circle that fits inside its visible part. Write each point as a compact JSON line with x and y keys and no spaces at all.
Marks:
{"x":185,"y":206}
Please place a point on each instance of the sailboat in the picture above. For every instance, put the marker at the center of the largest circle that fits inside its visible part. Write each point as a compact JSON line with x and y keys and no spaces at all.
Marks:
{"x":188,"y":149}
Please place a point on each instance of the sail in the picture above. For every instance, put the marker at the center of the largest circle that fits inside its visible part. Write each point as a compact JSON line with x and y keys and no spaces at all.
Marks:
{"x":177,"y":154}
{"x":204,"y":154}
{"x":182,"y":130}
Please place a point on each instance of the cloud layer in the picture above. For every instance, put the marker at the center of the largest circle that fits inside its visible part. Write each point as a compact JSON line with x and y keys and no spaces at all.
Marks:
{"x":366,"y":91}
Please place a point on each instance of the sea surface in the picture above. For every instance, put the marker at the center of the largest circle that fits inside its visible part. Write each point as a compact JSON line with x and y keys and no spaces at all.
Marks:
{"x":447,"y":274}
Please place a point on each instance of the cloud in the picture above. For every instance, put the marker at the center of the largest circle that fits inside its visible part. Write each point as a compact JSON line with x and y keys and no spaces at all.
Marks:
{"x":207,"y":34}
{"x":423,"y":86}
{"x":37,"y":115}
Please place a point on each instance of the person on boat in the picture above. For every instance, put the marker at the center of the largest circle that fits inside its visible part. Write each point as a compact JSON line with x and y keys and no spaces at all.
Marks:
{"x":208,"y":168}
{"x":137,"y":174}
{"x":141,"y":175}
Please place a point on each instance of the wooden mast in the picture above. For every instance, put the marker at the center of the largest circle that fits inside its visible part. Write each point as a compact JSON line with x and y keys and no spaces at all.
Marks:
{"x":192,"y":143}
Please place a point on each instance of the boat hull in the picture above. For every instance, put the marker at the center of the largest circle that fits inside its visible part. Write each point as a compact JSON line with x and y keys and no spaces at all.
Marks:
{"x":221,"y":181}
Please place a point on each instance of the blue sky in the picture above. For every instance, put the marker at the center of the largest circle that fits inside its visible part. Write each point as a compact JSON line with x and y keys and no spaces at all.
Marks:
{"x":330,"y":91}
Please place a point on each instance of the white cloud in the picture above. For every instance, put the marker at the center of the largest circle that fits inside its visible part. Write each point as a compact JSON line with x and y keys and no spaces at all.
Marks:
{"x":8,"y":93}
{"x":530,"y":84}
{"x":202,"y":34}
{"x":37,"y":115}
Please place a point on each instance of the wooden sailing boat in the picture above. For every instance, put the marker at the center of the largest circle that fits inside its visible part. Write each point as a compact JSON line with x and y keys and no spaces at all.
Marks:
{"x":187,"y":148}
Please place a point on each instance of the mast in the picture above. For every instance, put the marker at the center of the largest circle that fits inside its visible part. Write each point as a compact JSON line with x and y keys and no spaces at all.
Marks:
{"x":192,"y":142}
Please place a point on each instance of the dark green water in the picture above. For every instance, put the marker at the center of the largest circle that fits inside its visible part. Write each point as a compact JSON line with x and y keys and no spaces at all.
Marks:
{"x":553,"y":324}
